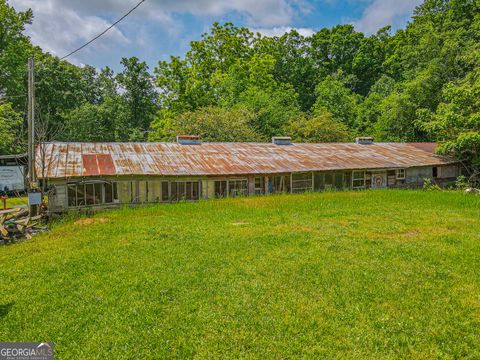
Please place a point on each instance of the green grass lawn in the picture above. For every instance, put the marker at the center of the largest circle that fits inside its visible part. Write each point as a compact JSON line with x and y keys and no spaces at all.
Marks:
{"x":16,"y":201}
{"x":375,"y":274}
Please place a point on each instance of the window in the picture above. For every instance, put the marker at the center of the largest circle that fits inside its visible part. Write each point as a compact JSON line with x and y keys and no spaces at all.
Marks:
{"x":238,"y":187}
{"x":165,"y":196}
{"x":91,"y":194}
{"x":280,"y":184}
{"x":72,"y":195}
{"x":134,"y":192}
{"x":435,"y":172}
{"x":184,"y":190}
{"x":302,"y":182}
{"x":220,"y":188}
{"x":328,"y":181}
{"x":108,"y":193}
{"x":97,"y":197}
{"x":339,"y":181}
{"x":400,"y":174}
{"x":259,"y":185}
{"x":358,"y":179}
{"x":347,"y":180}
{"x":319,"y":181}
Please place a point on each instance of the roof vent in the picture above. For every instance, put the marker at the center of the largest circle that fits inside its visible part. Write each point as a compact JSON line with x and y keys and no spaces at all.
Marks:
{"x":282,"y":140}
{"x":188,"y":139}
{"x":364,"y":140}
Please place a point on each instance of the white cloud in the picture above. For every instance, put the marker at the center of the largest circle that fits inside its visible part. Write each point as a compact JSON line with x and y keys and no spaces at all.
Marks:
{"x":385,"y":12}
{"x":59,"y":30}
{"x":279,"y":31}
{"x":61,"y":26}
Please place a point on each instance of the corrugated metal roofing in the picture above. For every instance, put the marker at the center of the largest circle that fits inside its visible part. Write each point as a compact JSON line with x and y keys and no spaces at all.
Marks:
{"x":172,"y":159}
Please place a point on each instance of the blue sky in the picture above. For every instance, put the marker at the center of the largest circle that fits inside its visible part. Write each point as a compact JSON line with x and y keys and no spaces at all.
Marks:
{"x":160,"y":28}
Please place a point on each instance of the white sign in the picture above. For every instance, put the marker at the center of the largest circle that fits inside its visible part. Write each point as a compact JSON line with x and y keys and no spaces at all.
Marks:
{"x":34,"y":198}
{"x":11,"y":178}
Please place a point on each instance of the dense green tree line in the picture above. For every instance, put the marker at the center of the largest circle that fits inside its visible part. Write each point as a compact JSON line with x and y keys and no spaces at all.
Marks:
{"x":420,"y":83}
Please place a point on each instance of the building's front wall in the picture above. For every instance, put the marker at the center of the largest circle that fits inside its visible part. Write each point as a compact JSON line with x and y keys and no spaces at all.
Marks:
{"x":114,"y":191}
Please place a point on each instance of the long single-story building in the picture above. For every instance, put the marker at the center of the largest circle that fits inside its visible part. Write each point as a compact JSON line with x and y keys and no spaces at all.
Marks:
{"x":111,"y":174}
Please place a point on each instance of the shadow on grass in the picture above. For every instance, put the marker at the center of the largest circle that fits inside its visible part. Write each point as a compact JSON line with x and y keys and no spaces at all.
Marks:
{"x":5,"y":309}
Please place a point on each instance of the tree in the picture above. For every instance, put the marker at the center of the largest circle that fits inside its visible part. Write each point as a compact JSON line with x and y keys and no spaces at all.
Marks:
{"x":139,"y":93}
{"x":210,"y":123}
{"x":11,"y":139}
{"x":456,"y":122}
{"x":103,"y":122}
{"x":336,"y":98}
{"x":14,"y":50}
{"x":294,"y":65}
{"x":319,"y":128}
{"x":371,"y":108}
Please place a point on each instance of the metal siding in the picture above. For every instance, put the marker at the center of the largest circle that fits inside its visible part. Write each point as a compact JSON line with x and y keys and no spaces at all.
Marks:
{"x":172,"y":159}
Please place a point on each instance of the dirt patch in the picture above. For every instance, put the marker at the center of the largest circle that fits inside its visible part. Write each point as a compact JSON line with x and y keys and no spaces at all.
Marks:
{"x":90,"y":221}
{"x":410,"y":232}
{"x":240,"y":223}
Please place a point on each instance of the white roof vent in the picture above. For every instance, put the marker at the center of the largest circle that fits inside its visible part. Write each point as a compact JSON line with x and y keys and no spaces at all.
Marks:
{"x":282,"y":140}
{"x":364,"y":140}
{"x":188,"y":139}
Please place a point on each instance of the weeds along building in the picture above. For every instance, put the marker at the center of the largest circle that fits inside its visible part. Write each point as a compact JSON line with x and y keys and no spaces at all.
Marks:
{"x":111,"y":174}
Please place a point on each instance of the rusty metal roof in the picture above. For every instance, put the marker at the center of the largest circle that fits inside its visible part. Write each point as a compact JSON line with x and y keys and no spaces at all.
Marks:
{"x":171,"y":159}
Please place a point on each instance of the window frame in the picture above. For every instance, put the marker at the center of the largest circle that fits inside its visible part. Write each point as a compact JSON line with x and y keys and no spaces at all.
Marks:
{"x":363,"y":179}
{"x":398,"y":172}
{"x":235,"y":190}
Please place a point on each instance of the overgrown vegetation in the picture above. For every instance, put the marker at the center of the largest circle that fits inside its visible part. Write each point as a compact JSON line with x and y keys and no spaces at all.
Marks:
{"x":420,"y":83}
{"x":382,"y":274}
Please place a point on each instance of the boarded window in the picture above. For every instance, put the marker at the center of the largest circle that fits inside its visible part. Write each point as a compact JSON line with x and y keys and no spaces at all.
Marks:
{"x":238,"y":187}
{"x":302,"y":182}
{"x":153,"y":191}
{"x":143,"y":191}
{"x":124,"y":192}
{"x":220,"y":188}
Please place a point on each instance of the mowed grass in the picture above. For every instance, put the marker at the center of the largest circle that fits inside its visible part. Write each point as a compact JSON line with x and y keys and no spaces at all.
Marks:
{"x":15,"y":201}
{"x":374,"y":274}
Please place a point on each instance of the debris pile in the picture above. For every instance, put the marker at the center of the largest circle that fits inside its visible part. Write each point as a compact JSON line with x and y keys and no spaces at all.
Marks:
{"x":16,"y":223}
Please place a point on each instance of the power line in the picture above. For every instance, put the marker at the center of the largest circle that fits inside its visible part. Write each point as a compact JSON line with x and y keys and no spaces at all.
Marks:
{"x":103,"y":32}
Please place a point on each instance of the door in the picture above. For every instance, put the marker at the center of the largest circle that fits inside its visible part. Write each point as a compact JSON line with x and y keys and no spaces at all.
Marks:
{"x":379,"y":180}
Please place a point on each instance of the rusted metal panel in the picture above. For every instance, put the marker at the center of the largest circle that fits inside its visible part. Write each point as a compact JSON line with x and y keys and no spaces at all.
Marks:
{"x":213,"y":159}
{"x":98,"y":164}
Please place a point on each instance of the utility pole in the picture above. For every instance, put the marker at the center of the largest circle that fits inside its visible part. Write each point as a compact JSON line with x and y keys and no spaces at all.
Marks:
{"x":33,"y":196}
{"x":31,"y":124}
